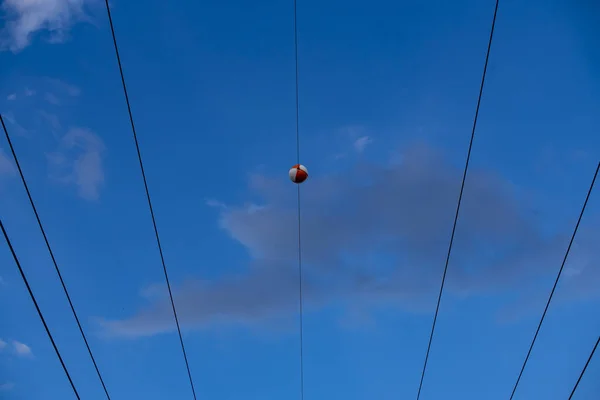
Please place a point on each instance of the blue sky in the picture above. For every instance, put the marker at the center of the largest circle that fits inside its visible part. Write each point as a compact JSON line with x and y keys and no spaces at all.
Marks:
{"x":387,"y":96}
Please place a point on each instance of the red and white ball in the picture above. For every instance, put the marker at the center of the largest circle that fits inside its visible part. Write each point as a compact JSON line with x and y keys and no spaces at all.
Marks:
{"x":298,"y":173}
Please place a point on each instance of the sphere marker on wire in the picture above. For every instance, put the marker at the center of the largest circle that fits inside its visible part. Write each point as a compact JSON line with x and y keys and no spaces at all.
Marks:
{"x":298,"y":173}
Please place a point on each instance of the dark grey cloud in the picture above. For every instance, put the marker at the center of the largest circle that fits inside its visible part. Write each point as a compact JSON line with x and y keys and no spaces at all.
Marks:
{"x":375,"y":237}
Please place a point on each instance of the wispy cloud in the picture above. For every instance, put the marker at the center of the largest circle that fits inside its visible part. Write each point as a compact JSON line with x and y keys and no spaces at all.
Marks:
{"x":63,"y":87}
{"x":11,"y":97}
{"x":368,"y":247}
{"x":52,"y":99}
{"x":7,"y":386}
{"x":16,"y":347}
{"x":354,"y":139}
{"x":25,"y":18}
{"x":15,"y":126}
{"x":21,"y":349}
{"x":352,"y":131}
{"x":51,"y":119}
{"x":361,"y":143}
{"x":79,"y":161}
{"x":54,"y":93}
{"x":7,"y":168}
{"x":215,"y":203}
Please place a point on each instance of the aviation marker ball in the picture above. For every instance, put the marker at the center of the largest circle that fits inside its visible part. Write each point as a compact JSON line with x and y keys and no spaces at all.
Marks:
{"x":298,"y":173}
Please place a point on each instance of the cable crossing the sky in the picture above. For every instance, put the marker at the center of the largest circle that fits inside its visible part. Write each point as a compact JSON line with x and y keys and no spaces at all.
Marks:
{"x":537,"y":331}
{"x":462,"y":187}
{"x":584,"y":369}
{"x":299,"y":208}
{"x":37,"y":308}
{"x":54,"y":262}
{"x":139,"y":155}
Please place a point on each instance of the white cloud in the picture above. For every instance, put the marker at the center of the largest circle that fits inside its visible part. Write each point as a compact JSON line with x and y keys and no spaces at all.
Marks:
{"x":79,"y":162}
{"x":17,"y":347}
{"x":29,"y":92}
{"x":21,"y":349}
{"x":11,"y":97}
{"x":361,"y":143}
{"x":27,"y":17}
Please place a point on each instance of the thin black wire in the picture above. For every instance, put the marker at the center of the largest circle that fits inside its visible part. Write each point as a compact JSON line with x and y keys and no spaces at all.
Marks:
{"x":299,"y":226}
{"x":297,"y":95}
{"x":462,"y":186}
{"x":56,"y":268}
{"x":584,"y":368}
{"x":300,"y":289}
{"x":137,"y":147}
{"x":537,"y":331}
{"x":37,"y":307}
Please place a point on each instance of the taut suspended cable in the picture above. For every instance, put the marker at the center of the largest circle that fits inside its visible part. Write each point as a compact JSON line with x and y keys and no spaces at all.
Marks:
{"x":462,"y":186}
{"x":297,"y":95}
{"x":56,"y":268}
{"x":299,"y":214}
{"x":35,"y":303}
{"x":137,"y":147}
{"x":584,"y":368}
{"x":537,"y":331}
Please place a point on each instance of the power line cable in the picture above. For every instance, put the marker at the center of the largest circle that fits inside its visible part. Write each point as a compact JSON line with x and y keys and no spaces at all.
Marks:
{"x":158,"y":242}
{"x":537,"y":331}
{"x":462,"y":186}
{"x":584,"y":368}
{"x":54,"y":262}
{"x":37,"y":307}
{"x":299,"y":209}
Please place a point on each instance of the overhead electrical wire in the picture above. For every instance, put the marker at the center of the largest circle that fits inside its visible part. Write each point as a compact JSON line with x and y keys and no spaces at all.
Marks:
{"x":139,"y":155}
{"x":54,"y":262}
{"x":37,"y":308}
{"x":537,"y":331}
{"x":462,"y":186}
{"x":299,"y":208}
{"x":584,"y":369}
